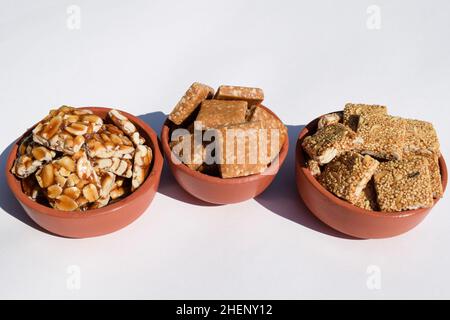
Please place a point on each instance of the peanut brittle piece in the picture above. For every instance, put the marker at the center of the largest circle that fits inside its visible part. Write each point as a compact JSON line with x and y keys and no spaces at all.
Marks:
{"x":238,"y":146}
{"x":118,"y":166}
{"x":420,"y":137}
{"x":30,"y":158}
{"x":126,"y":126}
{"x":347,"y":175}
{"x":70,"y":182}
{"x":120,"y":189}
{"x":353,"y":112}
{"x":107,"y":183}
{"x":141,"y":168}
{"x":275,"y":128}
{"x":109,"y":142}
{"x":329,"y":142}
{"x":404,"y":185}
{"x":329,"y":119}
{"x":383,"y":136}
{"x":190,"y":101}
{"x":253,"y":96}
{"x":194,"y":158}
{"x":368,"y":198}
{"x":64,"y":129}
{"x":216,"y":113}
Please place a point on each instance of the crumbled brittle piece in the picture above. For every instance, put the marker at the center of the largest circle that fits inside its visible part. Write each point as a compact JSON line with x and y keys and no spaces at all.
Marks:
{"x":126,"y":126}
{"x":141,"y":168}
{"x":383,"y":136}
{"x":30,"y":158}
{"x":216,"y":113}
{"x":420,"y":137}
{"x":196,"y":93}
{"x":353,"y":112}
{"x":69,"y":182}
{"x":368,"y":198}
{"x":64,"y":129}
{"x":329,"y":142}
{"x":253,"y":96}
{"x":348,"y":174}
{"x":329,"y":119}
{"x":109,"y":142}
{"x":313,"y":167}
{"x":239,"y":147}
{"x":404,"y":185}
{"x":193,"y":159}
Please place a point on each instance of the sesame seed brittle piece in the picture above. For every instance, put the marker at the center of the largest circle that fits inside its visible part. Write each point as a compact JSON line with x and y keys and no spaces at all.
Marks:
{"x":329,"y":142}
{"x":353,"y":112}
{"x":348,"y":174}
{"x":404,"y":185}
{"x":329,"y":119}
{"x":368,"y":198}
{"x":420,"y":137}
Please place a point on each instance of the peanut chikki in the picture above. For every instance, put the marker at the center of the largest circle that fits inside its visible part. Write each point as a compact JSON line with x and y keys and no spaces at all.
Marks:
{"x":216,"y":113}
{"x":404,"y":185}
{"x":353,"y":112}
{"x":329,"y":142}
{"x":124,"y":124}
{"x":141,"y":168}
{"x":190,"y":101}
{"x":347,"y":175}
{"x":329,"y":119}
{"x":109,"y":142}
{"x":63,"y":129}
{"x":253,"y":96}
{"x":194,"y":158}
{"x":420,"y":137}
{"x":383,"y":136}
{"x":239,"y":150}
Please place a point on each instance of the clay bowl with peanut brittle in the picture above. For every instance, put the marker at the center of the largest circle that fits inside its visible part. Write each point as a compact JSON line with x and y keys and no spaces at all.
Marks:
{"x":215,"y":189}
{"x":342,"y":215}
{"x":93,"y":222}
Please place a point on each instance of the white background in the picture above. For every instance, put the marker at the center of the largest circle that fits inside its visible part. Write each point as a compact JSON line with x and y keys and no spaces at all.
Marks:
{"x":311,"y":57}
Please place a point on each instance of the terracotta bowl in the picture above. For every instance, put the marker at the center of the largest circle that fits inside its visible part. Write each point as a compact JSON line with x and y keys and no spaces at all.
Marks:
{"x":217,"y":190}
{"x":342,"y":215}
{"x":99,"y":221}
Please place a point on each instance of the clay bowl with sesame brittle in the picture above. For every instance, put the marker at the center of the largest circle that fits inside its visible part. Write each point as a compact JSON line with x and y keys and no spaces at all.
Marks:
{"x":217,"y":190}
{"x":342,"y":215}
{"x":93,"y":222}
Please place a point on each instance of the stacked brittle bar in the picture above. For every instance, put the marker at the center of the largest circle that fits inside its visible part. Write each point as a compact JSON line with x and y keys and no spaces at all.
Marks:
{"x":74,"y":160}
{"x":227,"y":133}
{"x":374,"y":160}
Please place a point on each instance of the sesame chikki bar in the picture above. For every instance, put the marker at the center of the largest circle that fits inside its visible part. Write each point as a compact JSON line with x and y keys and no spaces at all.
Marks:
{"x":368,"y":198}
{"x":404,"y":185}
{"x":313,"y":167}
{"x":190,"y":101}
{"x":435,"y":171}
{"x":420,"y":137}
{"x":216,"y":113}
{"x":253,"y":96}
{"x":329,"y":142}
{"x":329,"y":119}
{"x":348,"y":174}
{"x":383,"y":136}
{"x":352,"y":113}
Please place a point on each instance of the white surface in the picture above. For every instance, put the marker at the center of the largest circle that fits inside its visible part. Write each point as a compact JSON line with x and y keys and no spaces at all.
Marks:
{"x":310,"y":57}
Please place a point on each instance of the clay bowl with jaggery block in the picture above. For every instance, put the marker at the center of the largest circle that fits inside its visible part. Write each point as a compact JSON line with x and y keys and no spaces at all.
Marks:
{"x":93,"y":222}
{"x":217,"y":190}
{"x":342,"y":215}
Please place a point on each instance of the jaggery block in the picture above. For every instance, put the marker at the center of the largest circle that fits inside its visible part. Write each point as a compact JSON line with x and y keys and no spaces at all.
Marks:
{"x":216,"y":113}
{"x":274,"y":128}
{"x":329,"y":142}
{"x":196,"y":93}
{"x":368,"y":198}
{"x":383,"y":136}
{"x":329,"y":119}
{"x":352,"y":113}
{"x":404,"y":185}
{"x":238,"y":146}
{"x":348,"y":174}
{"x":313,"y":167}
{"x":252,"y":95}
{"x":420,"y":137}
{"x":194,"y":158}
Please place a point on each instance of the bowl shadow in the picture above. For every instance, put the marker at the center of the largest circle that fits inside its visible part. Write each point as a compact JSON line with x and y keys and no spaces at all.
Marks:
{"x":282,"y":198}
{"x":168,"y":186}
